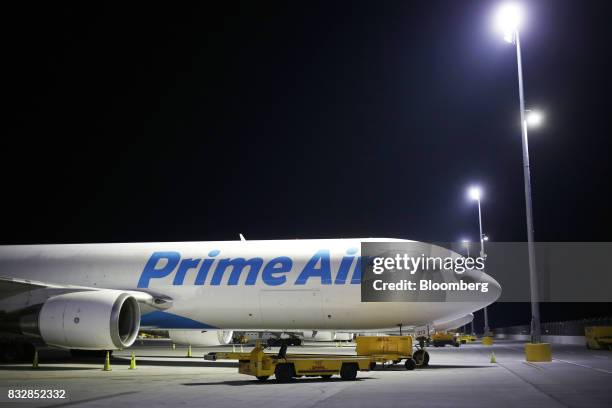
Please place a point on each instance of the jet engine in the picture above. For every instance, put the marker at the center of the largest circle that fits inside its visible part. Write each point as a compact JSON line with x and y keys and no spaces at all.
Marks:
{"x":87,"y":320}
{"x":201,"y":338}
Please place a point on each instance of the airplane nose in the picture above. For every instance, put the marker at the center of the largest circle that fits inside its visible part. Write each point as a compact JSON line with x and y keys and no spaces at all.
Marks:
{"x":487,"y":289}
{"x":493,"y":287}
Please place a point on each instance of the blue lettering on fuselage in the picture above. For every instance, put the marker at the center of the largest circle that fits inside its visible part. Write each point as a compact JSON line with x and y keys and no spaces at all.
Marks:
{"x":242,"y":271}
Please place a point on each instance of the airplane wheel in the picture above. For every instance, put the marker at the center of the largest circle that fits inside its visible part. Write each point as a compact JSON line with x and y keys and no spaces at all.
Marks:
{"x":263,"y":377}
{"x":283,"y":373}
{"x":410,"y":364}
{"x":348,"y":372}
{"x":421,"y":357}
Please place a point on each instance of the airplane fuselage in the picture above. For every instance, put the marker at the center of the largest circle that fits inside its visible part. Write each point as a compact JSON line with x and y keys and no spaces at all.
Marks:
{"x":301,"y":284}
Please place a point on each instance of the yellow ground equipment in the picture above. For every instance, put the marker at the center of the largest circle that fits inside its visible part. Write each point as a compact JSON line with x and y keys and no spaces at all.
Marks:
{"x":598,"y":337}
{"x":442,"y":339}
{"x":285,"y":366}
{"x":465,"y":338}
{"x":383,"y":349}
{"x":538,"y":352}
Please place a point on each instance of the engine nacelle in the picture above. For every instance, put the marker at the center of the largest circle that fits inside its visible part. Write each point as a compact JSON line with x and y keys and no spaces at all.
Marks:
{"x":88,"y":320}
{"x":200,"y":338}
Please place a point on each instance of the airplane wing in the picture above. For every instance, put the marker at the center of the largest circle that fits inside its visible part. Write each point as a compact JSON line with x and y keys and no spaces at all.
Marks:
{"x":14,"y":286}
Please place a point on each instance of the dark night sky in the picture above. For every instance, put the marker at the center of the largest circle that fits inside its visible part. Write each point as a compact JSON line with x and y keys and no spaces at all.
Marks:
{"x":310,"y":120}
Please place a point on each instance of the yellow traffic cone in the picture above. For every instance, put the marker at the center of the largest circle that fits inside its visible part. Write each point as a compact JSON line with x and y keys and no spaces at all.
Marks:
{"x":189,"y":352}
{"x":35,"y":361}
{"x":133,"y":362}
{"x":493,"y":359}
{"x":107,"y":366}
{"x":173,"y":346}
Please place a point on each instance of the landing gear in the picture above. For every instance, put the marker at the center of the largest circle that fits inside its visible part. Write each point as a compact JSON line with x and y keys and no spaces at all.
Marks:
{"x":421,"y":358}
{"x":277,"y":342}
{"x":410,"y":364}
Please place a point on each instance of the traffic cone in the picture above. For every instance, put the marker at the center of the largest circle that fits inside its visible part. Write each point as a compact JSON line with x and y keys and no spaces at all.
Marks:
{"x":133,"y":362}
{"x":233,"y":348}
{"x":189,"y":352}
{"x":173,"y":346}
{"x":107,"y":366}
{"x":493,"y":359}
{"x":241,"y":348}
{"x":35,"y":361}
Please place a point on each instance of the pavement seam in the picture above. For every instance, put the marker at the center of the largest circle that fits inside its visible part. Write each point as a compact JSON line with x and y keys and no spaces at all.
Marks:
{"x":601,"y":370}
{"x":534,"y":386}
{"x":534,"y":365}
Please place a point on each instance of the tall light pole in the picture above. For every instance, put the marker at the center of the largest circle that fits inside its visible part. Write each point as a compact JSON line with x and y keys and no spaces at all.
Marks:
{"x":475,"y":194}
{"x":509,"y":20}
{"x":466,"y":244}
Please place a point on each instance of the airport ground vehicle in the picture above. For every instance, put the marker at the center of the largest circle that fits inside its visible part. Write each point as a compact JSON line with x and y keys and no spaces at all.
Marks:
{"x":394,"y":349}
{"x":442,"y":339}
{"x":598,"y":337}
{"x":466,"y":338}
{"x":285,"y":367}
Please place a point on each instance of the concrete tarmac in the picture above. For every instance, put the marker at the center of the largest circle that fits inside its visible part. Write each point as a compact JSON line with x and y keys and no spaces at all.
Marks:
{"x":456,"y":377}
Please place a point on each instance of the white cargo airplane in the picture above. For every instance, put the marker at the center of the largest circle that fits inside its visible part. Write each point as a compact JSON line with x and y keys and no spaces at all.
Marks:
{"x":97,"y":296}
{"x":452,"y":324}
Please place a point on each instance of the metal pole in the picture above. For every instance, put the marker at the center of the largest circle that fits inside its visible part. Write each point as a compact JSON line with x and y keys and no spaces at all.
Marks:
{"x":482,"y":255}
{"x":533,"y":277}
{"x":482,"y":252}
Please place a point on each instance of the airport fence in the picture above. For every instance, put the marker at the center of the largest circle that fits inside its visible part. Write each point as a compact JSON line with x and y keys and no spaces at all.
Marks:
{"x":567,"y":328}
